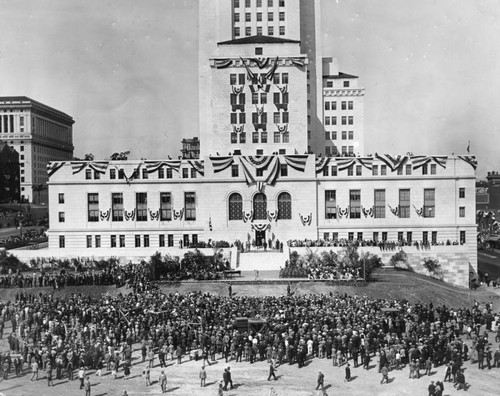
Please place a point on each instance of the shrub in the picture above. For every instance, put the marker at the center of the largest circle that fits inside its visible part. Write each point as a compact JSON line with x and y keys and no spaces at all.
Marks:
{"x":434,"y":268}
{"x":400,"y":260}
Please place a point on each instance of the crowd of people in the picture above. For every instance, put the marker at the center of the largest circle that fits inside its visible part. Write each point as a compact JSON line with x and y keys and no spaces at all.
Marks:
{"x":68,"y":337}
{"x":383,"y":245}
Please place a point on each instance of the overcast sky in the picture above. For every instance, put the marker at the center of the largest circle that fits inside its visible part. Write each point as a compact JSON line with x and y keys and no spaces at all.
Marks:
{"x":126,"y":70}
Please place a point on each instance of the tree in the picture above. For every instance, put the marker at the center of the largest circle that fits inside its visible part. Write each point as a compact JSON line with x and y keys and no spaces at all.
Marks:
{"x":121,"y":156}
{"x":89,"y":157}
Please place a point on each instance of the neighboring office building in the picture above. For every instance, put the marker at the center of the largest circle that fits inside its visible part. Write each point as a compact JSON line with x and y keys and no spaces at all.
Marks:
{"x":9,"y":174}
{"x":39,"y":134}
{"x":191,"y":148}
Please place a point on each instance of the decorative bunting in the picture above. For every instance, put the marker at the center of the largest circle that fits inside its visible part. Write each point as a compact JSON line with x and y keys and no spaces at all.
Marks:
{"x":105,"y":215}
{"x":198,"y":166}
{"x":259,"y":161}
{"x":178,"y":213}
{"x":250,"y":74}
{"x":154,"y":215}
{"x":260,"y":186}
{"x":367,"y":212}
{"x":297,"y":162}
{"x":299,"y":62}
{"x":221,"y":163}
{"x":129,"y":215}
{"x":395,"y":210}
{"x":321,"y":163}
{"x":420,"y":160}
{"x":283,"y":128}
{"x":281,"y":106}
{"x":283,"y":89}
{"x":246,"y":172}
{"x":259,"y":109}
{"x":98,"y":166}
{"x":153,"y":166}
{"x":260,"y":226}
{"x":470,"y":159}
{"x":392,"y":163}
{"x":306,"y":220}
{"x":419,"y":212}
{"x":53,"y":167}
{"x":270,"y":73}
{"x":274,"y":172}
{"x":260,"y":62}
{"x":247,"y":216}
{"x":272,"y":216}
{"x":343,"y":212}
{"x":222,"y":63}
{"x":239,"y":129}
{"x":237,"y":90}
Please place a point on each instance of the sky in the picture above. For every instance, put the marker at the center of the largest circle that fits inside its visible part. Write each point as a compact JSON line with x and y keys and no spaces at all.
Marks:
{"x":127,"y":71}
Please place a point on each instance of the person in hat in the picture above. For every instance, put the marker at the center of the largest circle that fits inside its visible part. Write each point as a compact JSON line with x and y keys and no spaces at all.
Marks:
{"x":347,"y":373}
{"x":321,"y":381}
{"x":272,"y":372}
{"x":203,"y":377}
{"x":163,"y":382}
{"x":432,"y":389}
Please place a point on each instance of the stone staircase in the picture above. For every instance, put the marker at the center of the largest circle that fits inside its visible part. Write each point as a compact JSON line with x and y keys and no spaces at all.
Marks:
{"x":262,"y":260}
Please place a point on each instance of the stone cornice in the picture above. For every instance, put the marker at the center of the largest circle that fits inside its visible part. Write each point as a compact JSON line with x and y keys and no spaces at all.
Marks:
{"x":343,"y":92}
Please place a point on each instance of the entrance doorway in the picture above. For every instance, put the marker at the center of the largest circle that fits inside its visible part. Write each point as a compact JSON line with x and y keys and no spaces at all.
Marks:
{"x":260,"y":237}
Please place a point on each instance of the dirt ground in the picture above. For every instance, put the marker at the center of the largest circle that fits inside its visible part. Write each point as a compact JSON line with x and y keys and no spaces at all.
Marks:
{"x":251,"y":379}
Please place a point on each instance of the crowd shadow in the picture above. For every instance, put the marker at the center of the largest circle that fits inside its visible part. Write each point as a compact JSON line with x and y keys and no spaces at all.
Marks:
{"x":172,"y":389}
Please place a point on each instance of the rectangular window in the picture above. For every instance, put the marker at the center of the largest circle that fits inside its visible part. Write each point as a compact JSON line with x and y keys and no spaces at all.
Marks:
{"x":137,"y":241}
{"x":433,"y":169}
{"x":236,"y":3}
{"x":327,"y":135}
{"x":327,"y":120}
{"x":355,"y":204}
{"x":141,"y":206}
{"x":325,"y":170}
{"x":263,"y":137}
{"x":344,"y":135}
{"x":282,"y":16}
{"x":425,"y":237}
{"x":89,"y":241}
{"x":97,"y":241}
{"x":285,"y":117}
{"x":400,"y":170}
{"x":190,"y":206}
{"x":62,"y":242}
{"x":236,"y":17}
{"x":400,"y":236}
{"x":283,"y":170}
{"x":434,"y":237}
{"x":235,"y":171}
{"x":270,"y":30}
{"x":360,"y":236}
{"x":462,"y":237}
{"x":193,"y":173}
{"x":384,"y":236}
{"x":259,"y":17}
{"x":236,"y":32}
{"x":326,"y":236}
{"x":61,"y":217}
{"x":169,"y":173}
{"x":350,"y":171}
{"x":358,"y":170}
{"x":248,"y":17}
{"x":404,"y":203}
{"x":170,"y":240}
{"x":161,"y":173}
{"x":409,"y":237}
{"x":255,"y":137}
{"x":276,"y":117}
{"x":185,"y":173}
{"x":122,"y":241}
{"x":117,"y":207}
{"x":112,"y":241}
{"x":121,"y":174}
{"x":350,"y":236}
{"x":383,"y":170}
{"x":350,"y":105}
{"x":424,"y":169}
{"x":282,"y":30}
{"x":270,"y":16}
{"x":351,"y":135}
{"x":61,"y":198}
{"x":375,"y":170}
{"x":243,"y":138}
{"x":284,"y":80}
{"x":429,"y":202}
{"x":93,"y":207}
{"x":97,"y":175}
{"x":327,"y":105}
{"x":286,"y":137}
{"x":461,"y":211}
{"x":343,"y":105}
{"x":461,"y":192}
{"x":344,"y":120}
{"x":408,"y":169}
{"x":161,"y":241}
{"x":241,"y":78}
{"x":334,"y":171}
{"x":379,"y":200}
{"x":375,"y":236}
{"x":277,"y":136}
{"x":330,"y":204}
{"x":112,"y":174}
{"x":88,"y":174}
{"x":165,"y":206}
{"x":146,"y":240}
{"x":350,"y":120}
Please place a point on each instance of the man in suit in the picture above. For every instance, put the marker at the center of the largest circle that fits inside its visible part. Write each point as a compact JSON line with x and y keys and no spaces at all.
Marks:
{"x":272,"y":372}
{"x":321,"y":381}
{"x":203,"y":376}
{"x":163,"y":382}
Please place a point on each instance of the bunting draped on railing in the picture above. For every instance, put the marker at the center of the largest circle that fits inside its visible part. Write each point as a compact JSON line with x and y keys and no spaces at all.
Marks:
{"x":222,"y":63}
{"x":178,"y":213}
{"x":247,"y":216}
{"x":221,"y":163}
{"x":260,"y":62}
{"x":419,"y":212}
{"x":246,"y":172}
{"x":342,"y":212}
{"x":134,"y":175}
{"x":53,"y":167}
{"x":367,"y":212}
{"x":470,"y":159}
{"x":260,"y":86}
{"x":239,"y":129}
{"x":153,"y":166}
{"x":395,"y":210}
{"x":260,"y":186}
{"x":259,"y":109}
{"x":237,"y":90}
{"x":344,"y":163}
{"x":282,"y":128}
{"x":98,"y":166}
{"x":260,"y":226}
{"x":259,"y":161}
{"x":198,"y":166}
{"x":297,"y":162}
{"x":321,"y":163}
{"x":420,"y":160}
{"x":250,"y":74}
{"x":281,"y":106}
{"x":283,"y":89}
{"x":392,"y":163}
{"x":270,"y":73}
{"x":129,"y":215}
{"x":105,"y":215}
{"x":306,"y":220}
{"x":154,"y":215}
{"x":272,"y":216}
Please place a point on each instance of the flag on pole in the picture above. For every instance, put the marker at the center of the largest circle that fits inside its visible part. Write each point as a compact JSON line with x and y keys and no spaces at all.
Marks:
{"x":468,"y":148}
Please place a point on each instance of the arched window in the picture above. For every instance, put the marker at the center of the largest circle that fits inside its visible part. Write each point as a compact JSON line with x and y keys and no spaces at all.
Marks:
{"x":235,"y":207}
{"x":284,"y":206}
{"x":260,"y":206}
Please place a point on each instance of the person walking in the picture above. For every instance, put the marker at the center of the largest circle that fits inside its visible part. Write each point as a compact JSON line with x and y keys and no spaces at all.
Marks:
{"x":385,"y":374}
{"x":348,"y":373}
{"x":87,"y":386}
{"x":321,"y":381}
{"x":203,"y":377}
{"x":147,"y":375}
{"x":163,"y":382}
{"x":34,"y":370}
{"x":81,"y":377}
{"x":272,"y":372}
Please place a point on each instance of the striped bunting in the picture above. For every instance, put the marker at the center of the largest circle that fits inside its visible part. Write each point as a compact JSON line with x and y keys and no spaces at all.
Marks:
{"x":273,"y":173}
{"x":259,"y":161}
{"x":470,"y":159}
{"x":221,"y":163}
{"x":321,"y":163}
{"x":153,"y":166}
{"x":392,"y":162}
{"x":270,"y":73}
{"x":344,"y":163}
{"x":297,"y":61}
{"x":260,"y":62}
{"x":246,"y":172}
{"x":198,"y":166}
{"x":53,"y":167}
{"x":222,"y":63}
{"x":420,"y":160}
{"x":297,"y":162}
{"x":78,"y":166}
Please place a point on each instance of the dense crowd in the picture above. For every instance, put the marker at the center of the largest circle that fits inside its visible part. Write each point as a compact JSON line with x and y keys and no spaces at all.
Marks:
{"x":82,"y":333}
{"x":383,"y":245}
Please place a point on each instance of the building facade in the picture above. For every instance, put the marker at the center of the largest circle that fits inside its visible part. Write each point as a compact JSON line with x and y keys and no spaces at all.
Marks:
{"x":9,"y":174}
{"x":39,"y":134}
{"x":190,"y":148}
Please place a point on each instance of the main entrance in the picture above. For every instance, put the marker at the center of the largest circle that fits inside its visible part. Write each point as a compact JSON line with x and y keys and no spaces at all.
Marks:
{"x":260,"y":237}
